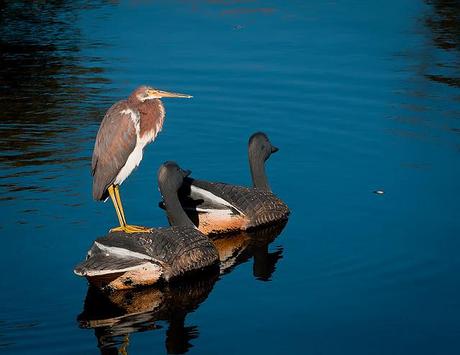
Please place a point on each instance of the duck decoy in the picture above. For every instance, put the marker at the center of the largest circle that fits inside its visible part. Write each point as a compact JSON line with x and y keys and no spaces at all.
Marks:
{"x":217,"y":207}
{"x":127,"y":127}
{"x":122,"y":261}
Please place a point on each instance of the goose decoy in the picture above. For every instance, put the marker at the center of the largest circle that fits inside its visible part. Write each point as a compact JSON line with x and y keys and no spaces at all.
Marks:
{"x":122,"y":261}
{"x":128,"y":126}
{"x":217,"y":207}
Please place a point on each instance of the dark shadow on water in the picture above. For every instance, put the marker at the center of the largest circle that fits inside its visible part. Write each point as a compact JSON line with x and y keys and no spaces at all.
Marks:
{"x":41,"y":70}
{"x":43,"y":79}
{"x":117,"y":314}
{"x":435,"y":62}
{"x":444,"y":24}
{"x":47,"y":88}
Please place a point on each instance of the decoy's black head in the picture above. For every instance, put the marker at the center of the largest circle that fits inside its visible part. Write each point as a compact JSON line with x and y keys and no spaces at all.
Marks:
{"x":144,"y":92}
{"x":171,"y":176}
{"x":260,"y":146}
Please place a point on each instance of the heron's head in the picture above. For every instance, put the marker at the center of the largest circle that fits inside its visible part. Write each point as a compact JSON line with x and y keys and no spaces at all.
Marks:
{"x":143,"y":93}
{"x":171,"y":176}
{"x":260,"y":146}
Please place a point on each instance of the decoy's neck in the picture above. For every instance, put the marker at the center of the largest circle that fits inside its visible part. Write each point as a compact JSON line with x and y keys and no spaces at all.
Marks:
{"x":257,"y":165}
{"x":174,"y":210}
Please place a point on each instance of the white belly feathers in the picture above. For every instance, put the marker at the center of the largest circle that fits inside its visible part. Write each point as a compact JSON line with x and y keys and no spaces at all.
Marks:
{"x":135,"y":157}
{"x":132,"y":163}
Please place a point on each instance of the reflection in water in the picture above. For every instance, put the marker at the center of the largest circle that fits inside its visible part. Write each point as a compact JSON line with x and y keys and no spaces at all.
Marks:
{"x":238,"y":248}
{"x":47,"y":88}
{"x":428,"y":112}
{"x":444,"y":22}
{"x":116,"y":315}
{"x":41,"y":67}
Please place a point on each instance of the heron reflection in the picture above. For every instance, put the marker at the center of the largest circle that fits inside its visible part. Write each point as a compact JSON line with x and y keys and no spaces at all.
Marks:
{"x":114,"y":316}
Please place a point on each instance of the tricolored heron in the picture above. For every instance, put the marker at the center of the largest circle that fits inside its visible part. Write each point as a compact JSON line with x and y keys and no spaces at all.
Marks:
{"x":128,"y":126}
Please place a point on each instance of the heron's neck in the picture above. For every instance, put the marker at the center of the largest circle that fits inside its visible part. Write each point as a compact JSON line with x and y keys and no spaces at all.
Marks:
{"x":259,"y":178}
{"x":152,"y":115}
{"x":175,"y":212}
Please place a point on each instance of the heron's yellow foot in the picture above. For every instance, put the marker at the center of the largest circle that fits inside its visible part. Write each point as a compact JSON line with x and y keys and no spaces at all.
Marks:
{"x":138,"y":229}
{"x":128,"y":228}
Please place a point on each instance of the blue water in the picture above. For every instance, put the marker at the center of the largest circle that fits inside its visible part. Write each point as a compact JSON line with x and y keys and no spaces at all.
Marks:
{"x":359,"y":96}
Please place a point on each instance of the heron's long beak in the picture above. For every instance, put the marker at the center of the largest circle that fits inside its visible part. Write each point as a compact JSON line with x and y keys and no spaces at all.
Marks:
{"x":161,"y":93}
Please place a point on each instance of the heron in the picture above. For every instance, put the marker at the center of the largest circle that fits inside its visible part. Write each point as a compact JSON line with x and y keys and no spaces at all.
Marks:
{"x":127,"y":127}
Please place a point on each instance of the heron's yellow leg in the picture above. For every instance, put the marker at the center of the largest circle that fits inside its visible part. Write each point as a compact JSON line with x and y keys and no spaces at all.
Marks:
{"x":124,"y":226}
{"x":120,"y":216}
{"x":116,"y":189}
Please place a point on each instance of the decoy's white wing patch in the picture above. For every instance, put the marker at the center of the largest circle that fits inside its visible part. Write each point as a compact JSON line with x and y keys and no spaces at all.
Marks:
{"x":120,"y":252}
{"x":213,"y":203}
{"x":104,"y":260}
{"x":106,"y":265}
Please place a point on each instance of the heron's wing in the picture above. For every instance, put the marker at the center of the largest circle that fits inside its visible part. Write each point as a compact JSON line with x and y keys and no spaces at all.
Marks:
{"x":115,"y":141}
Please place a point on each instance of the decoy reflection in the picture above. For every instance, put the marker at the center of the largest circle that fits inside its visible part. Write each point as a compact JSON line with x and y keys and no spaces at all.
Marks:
{"x":117,"y":314}
{"x":238,"y":248}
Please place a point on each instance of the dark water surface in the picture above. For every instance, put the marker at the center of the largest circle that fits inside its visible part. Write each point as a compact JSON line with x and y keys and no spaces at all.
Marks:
{"x":359,"y":96}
